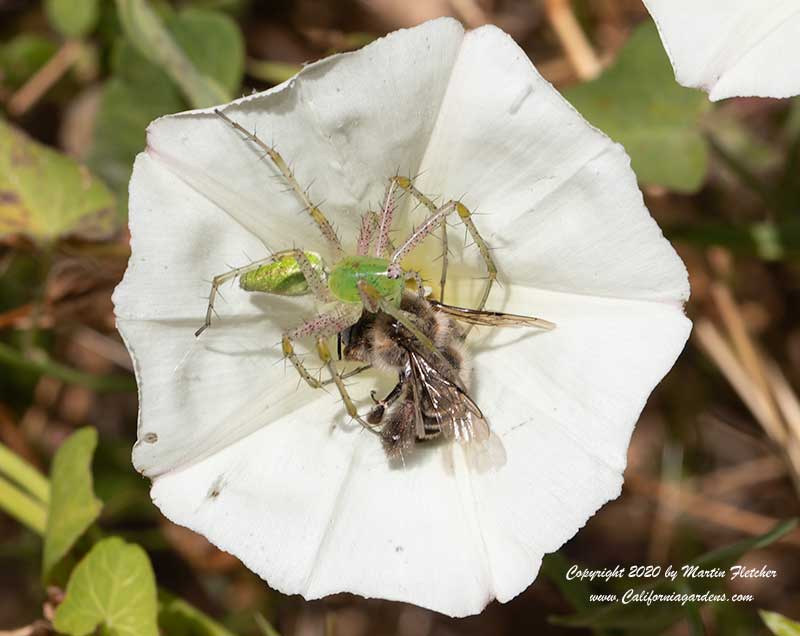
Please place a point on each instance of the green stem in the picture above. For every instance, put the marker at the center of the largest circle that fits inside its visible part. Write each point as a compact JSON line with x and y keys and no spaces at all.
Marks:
{"x":46,"y":366}
{"x":23,"y":508}
{"x":24,"y":474}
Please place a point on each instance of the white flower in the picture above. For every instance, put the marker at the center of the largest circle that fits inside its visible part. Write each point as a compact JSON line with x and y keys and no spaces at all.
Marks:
{"x":732,"y":48}
{"x":273,"y":471}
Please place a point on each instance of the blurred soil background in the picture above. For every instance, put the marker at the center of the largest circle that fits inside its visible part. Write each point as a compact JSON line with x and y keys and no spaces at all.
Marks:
{"x":715,"y":458}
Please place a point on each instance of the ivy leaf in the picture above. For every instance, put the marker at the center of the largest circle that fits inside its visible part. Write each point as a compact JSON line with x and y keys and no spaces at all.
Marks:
{"x":73,"y":203}
{"x":780,"y":625}
{"x":73,"y":506}
{"x":113,"y":587}
{"x":73,"y":19}
{"x":638,"y":103}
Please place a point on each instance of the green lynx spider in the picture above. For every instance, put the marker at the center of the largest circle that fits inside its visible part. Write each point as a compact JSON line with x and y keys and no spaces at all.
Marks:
{"x":372,"y":279}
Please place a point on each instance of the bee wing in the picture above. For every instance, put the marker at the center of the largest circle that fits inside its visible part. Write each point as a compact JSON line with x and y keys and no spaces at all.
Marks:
{"x":455,"y":411}
{"x":492,"y":318}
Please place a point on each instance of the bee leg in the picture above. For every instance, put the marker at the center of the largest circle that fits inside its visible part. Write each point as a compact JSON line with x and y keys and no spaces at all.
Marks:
{"x":220,"y":279}
{"x":379,"y":410}
{"x":325,"y":227}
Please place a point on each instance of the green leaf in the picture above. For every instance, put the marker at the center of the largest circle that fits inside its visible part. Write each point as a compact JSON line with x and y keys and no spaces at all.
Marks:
{"x":780,"y":625}
{"x":638,"y":103}
{"x":113,"y":587}
{"x":644,"y":618}
{"x":72,"y":203}
{"x":728,"y":555}
{"x":140,"y":91}
{"x":125,"y":111}
{"x":73,"y":18}
{"x":153,"y":40}
{"x":22,"y":56}
{"x":177,"y":618}
{"x":73,"y":506}
{"x":576,"y":591}
{"x":214,"y":44}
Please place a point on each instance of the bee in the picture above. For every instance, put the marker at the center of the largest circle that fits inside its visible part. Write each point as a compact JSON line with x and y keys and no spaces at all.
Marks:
{"x":431,"y":398}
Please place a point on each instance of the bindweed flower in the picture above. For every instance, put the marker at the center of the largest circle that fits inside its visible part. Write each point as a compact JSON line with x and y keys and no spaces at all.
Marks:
{"x":242,"y":451}
{"x":732,"y":48}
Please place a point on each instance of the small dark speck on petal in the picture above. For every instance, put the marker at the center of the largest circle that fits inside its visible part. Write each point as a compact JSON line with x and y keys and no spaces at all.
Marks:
{"x":398,"y":549}
{"x":216,"y":488}
{"x":150,"y":438}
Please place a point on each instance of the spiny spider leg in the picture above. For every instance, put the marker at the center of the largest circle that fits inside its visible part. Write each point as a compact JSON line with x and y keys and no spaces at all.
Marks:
{"x":328,"y":233}
{"x":466,"y":218}
{"x":425,"y":228}
{"x":406,"y":184}
{"x":386,"y":217}
{"x":312,"y":276}
{"x":221,"y":279}
{"x":322,"y":327}
{"x":414,"y":274}
{"x":365,"y":234}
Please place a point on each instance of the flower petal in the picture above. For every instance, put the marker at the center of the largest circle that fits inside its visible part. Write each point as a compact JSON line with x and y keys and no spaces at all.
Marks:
{"x":732,"y":48}
{"x":197,"y":394}
{"x":344,"y":124}
{"x":315,"y":515}
{"x":554,"y":196}
{"x":272,"y":473}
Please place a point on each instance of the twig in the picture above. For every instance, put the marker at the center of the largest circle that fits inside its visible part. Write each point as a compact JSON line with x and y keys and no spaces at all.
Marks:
{"x":32,"y":91}
{"x":742,"y":342}
{"x":574,"y":41}
{"x":714,"y":345}
{"x":742,"y":475}
{"x":470,"y":12}
{"x":700,"y":507}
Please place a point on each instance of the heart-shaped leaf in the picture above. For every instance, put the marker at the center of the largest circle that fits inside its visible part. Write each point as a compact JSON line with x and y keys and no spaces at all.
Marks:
{"x":73,"y":506}
{"x":113,"y":587}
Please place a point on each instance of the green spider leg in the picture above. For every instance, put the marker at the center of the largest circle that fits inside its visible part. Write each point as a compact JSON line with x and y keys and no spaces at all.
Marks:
{"x":466,"y":218}
{"x":221,"y":279}
{"x":325,"y":227}
{"x":322,"y":327}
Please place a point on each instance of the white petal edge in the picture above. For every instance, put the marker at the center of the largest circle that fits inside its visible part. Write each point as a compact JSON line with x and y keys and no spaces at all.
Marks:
{"x":732,"y":48}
